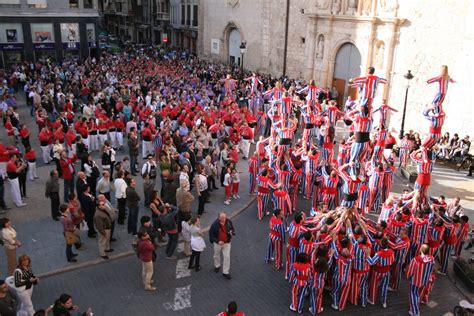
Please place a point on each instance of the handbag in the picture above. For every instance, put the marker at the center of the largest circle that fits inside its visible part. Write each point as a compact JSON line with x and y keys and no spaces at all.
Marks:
{"x":72,"y":237}
{"x":11,"y":283}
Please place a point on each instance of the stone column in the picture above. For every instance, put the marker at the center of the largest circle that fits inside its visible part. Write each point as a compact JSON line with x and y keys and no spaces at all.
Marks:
{"x":310,"y":48}
{"x":370,"y":52}
{"x":390,"y":54}
{"x":328,"y":59}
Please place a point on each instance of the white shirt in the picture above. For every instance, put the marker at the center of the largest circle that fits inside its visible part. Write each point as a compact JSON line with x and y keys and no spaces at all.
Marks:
{"x":202,"y":182}
{"x":120,"y":188}
{"x":184,"y":178}
{"x":9,"y":238}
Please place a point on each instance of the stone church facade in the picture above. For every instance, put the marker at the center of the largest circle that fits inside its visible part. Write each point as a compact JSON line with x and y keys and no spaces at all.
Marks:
{"x":333,"y":40}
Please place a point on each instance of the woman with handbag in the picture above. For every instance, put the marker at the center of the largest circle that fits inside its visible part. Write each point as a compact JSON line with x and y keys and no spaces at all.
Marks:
{"x":10,"y":243}
{"x":71,"y":232}
{"x":197,"y":243}
{"x":24,"y":279}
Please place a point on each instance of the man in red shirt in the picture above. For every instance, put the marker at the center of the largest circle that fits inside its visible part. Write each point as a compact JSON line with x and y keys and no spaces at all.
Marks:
{"x":68,"y":171}
{"x":220,"y":234}
{"x":231,"y":310}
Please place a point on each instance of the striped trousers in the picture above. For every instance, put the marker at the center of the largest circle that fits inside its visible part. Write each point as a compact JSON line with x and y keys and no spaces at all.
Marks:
{"x":298,"y":293}
{"x":291,"y":253}
{"x":340,"y":292}
{"x":378,"y":280}
{"x":274,"y":246}
{"x":253,"y":182}
{"x":316,"y":299}
{"x":359,"y":287}
{"x":263,"y":199}
{"x":444,"y":257}
{"x":414,"y":299}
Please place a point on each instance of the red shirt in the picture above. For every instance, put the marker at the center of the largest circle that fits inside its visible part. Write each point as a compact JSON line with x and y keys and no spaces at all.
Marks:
{"x":30,"y":155}
{"x":11,"y":170}
{"x":222,"y":233}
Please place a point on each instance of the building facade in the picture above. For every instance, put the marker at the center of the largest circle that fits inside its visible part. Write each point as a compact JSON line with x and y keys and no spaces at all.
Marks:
{"x":37,"y":30}
{"x":140,"y":21}
{"x":334,"y":40}
{"x":184,"y":24}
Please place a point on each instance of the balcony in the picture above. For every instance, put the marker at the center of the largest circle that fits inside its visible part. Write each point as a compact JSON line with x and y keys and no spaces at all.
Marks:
{"x":162,"y":16}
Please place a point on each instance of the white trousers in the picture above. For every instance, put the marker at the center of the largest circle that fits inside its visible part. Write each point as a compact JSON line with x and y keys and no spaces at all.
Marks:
{"x":45,"y":153}
{"x":113,"y":139}
{"x":245,"y":147}
{"x":147,"y":148}
{"x":94,"y":142}
{"x":102,"y":139}
{"x":119,"y":136}
{"x":32,"y":170}
{"x":26,"y":305}
{"x":15,"y":190}
{"x":225,"y":248}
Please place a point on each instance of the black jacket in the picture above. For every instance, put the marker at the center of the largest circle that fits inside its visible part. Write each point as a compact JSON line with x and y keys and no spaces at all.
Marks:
{"x":214,"y":231}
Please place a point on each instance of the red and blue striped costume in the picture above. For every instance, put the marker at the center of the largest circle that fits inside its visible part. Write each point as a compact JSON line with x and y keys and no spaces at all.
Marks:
{"x":283,"y":177}
{"x":386,"y":212}
{"x":360,"y":146}
{"x":350,"y":188}
{"x":418,"y":234}
{"x":316,"y":292}
{"x":254,"y":81}
{"x":274,"y":93}
{"x":342,"y":156}
{"x":380,"y":276}
{"x":400,"y":246}
{"x":424,"y":297}
{"x":333,"y":114}
{"x":443,"y":84}
{"x":437,"y":121}
{"x":360,"y":273}
{"x":341,"y":278}
{"x":263,"y":197}
{"x":307,"y":246}
{"x":424,"y":167}
{"x":312,"y":95}
{"x":435,"y":237}
{"x":387,"y":181}
{"x":295,"y":180}
{"x":382,"y":134}
{"x":461,"y":238}
{"x":310,"y":169}
{"x":418,"y":272}
{"x":383,"y":110}
{"x":450,"y":240}
{"x":368,"y":88}
{"x":276,"y":238}
{"x":300,"y":279}
{"x":253,"y":171}
{"x":294,"y":234}
{"x":310,"y":121}
{"x":364,"y":195}
{"x":330,"y":189}
{"x":375,"y":187}
{"x":281,"y":200}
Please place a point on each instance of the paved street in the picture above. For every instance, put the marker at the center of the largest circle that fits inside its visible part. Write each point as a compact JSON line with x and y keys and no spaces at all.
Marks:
{"x":115,"y":288}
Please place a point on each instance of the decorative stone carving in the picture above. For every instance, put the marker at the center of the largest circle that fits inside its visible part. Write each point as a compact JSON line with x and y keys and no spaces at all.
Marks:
{"x":379,"y":54}
{"x":320,"y":47}
{"x":350,"y":6}
{"x":232,"y":3}
{"x":336,"y":7}
{"x":322,"y":4}
{"x":366,"y":7}
{"x":388,"y":5}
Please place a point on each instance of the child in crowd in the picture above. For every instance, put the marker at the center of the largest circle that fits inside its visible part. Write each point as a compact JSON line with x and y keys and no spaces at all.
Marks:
{"x":235,"y":183}
{"x":227,"y":185}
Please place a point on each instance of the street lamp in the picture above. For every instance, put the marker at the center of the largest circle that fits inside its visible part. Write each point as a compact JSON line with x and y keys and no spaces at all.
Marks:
{"x":408,"y":76}
{"x":243,"y":50}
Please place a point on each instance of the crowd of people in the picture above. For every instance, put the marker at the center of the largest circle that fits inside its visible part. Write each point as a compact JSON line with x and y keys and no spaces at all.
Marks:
{"x":189,"y":120}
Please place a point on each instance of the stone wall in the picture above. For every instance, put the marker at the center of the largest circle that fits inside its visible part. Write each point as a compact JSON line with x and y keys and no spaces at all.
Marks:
{"x":440,"y":36}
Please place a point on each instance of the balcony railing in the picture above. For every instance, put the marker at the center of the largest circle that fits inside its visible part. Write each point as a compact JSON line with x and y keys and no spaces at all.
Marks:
{"x":163,"y":16}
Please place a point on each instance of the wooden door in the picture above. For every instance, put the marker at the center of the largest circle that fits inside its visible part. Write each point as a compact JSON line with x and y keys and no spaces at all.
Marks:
{"x":340,"y":85}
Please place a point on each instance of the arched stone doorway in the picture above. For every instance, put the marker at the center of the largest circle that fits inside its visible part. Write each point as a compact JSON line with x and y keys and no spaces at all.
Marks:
{"x":234,"y":47}
{"x":347,"y":65}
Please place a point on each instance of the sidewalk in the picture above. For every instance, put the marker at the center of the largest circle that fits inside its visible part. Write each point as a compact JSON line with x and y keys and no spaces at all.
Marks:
{"x":42,"y":237}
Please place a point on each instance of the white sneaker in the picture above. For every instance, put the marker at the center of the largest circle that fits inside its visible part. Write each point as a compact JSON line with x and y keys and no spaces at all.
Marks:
{"x":384,"y":305}
{"x":334,"y":307}
{"x":227,"y":202}
{"x":22,"y":204}
{"x":237,"y":196}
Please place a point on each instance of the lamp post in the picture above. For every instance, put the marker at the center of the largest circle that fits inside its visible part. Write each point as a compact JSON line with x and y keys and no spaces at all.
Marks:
{"x":243,"y":49}
{"x":408,"y":76}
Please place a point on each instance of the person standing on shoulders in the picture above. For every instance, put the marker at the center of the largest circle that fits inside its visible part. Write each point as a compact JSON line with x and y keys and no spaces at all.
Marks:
{"x":103,"y":223}
{"x":220,"y":234}
{"x":52,"y":193}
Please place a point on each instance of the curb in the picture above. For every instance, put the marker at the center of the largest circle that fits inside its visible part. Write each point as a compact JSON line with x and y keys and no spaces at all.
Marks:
{"x":125,"y":254}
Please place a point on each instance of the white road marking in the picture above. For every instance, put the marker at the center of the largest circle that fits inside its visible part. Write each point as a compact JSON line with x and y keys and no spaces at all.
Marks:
{"x":182,"y":270}
{"x":182,"y":298}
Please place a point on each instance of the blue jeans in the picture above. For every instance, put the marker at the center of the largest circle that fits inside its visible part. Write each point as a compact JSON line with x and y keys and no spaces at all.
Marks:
{"x":132,"y":220}
{"x":68,"y":188}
